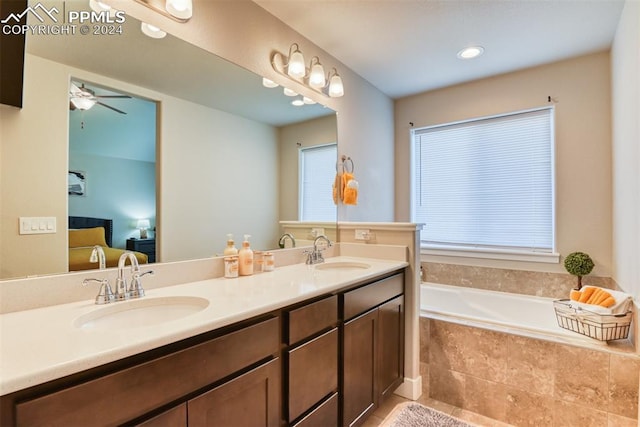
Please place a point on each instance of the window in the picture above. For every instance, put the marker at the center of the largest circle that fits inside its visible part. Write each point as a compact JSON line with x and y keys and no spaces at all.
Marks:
{"x":486,"y":185}
{"x":317,"y":172}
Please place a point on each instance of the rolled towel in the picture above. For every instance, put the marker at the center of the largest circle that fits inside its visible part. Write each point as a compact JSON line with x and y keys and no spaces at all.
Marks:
{"x":602,"y":301}
{"x":351,"y":193}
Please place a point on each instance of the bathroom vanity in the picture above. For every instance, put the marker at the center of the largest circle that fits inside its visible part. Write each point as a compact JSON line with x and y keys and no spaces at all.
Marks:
{"x":302,"y":346}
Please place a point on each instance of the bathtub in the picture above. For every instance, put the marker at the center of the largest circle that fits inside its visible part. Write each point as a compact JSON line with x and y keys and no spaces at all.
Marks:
{"x":524,"y":315}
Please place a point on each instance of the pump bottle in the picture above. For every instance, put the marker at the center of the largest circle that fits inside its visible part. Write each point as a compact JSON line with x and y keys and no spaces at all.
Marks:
{"x":230,"y":249}
{"x":245,"y":258}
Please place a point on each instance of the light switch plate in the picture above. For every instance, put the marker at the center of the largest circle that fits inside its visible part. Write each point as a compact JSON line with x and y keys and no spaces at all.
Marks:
{"x":37,"y":224}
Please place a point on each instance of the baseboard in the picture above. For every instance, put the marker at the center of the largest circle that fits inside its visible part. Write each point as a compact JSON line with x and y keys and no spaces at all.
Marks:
{"x":411,"y":388}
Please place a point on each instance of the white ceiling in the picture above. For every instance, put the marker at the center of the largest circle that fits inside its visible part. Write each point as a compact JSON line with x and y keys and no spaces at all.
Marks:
{"x":405,"y":47}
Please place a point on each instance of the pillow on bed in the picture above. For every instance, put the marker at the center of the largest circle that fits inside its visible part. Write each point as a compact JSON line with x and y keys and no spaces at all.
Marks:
{"x":87,"y":237}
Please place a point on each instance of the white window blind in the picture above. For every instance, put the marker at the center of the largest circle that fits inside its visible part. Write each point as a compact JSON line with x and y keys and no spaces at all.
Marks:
{"x":317,"y":173}
{"x":487,"y":183}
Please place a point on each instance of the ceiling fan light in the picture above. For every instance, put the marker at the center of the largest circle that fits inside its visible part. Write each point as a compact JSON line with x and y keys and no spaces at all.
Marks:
{"x":336,"y":88}
{"x":152,"y":31}
{"x":83,"y":103}
{"x":182,"y":9}
{"x":316,"y":77}
{"x":296,"y":67}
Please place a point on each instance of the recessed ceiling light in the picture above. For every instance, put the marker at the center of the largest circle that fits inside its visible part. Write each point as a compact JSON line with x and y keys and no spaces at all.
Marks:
{"x":471,"y":52}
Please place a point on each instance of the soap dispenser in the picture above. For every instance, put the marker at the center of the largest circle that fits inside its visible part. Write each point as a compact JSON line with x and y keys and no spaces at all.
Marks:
{"x":245,"y":256}
{"x":230,"y":249}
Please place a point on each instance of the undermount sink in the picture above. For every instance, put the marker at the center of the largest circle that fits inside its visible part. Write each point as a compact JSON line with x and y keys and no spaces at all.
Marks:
{"x":343,"y":266}
{"x":141,"y":312}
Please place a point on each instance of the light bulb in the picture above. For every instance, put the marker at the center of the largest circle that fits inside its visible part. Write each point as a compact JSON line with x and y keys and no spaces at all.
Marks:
{"x":308,"y":100}
{"x":82,"y":103}
{"x":152,"y":31}
{"x":297,"y":102}
{"x":316,"y":78}
{"x":182,"y":9}
{"x":296,"y":66}
{"x":336,"y":89}
{"x":290,"y":92}
{"x":268,"y":83}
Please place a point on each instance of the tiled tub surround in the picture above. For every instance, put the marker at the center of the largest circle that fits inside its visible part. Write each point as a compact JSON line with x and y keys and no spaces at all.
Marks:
{"x":518,"y":374}
{"x":542,"y":284}
{"x":527,"y":381}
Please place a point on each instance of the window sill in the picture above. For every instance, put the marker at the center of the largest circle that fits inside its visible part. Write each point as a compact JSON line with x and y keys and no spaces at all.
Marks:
{"x":507,"y":255}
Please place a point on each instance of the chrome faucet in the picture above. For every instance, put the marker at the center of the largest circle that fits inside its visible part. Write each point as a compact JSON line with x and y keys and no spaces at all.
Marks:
{"x":105,"y":294}
{"x":284,"y":237}
{"x":97,"y":254}
{"x":136,"y":290}
{"x":315,"y":256}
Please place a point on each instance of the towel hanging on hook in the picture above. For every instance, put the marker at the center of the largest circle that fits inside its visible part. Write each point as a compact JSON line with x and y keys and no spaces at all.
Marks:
{"x":345,"y":187}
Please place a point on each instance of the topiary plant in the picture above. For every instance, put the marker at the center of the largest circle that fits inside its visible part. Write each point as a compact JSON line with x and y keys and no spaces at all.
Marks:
{"x":578,"y":264}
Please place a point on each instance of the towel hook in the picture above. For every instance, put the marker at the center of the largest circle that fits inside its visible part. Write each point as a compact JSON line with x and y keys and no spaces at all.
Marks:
{"x":345,"y":168}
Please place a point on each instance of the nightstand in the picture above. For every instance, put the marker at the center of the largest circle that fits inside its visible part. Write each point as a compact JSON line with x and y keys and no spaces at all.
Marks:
{"x":146,"y":246}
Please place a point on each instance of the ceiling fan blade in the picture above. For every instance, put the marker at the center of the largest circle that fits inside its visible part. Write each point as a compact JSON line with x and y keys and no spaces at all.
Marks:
{"x":74,"y":89}
{"x":111,"y":108}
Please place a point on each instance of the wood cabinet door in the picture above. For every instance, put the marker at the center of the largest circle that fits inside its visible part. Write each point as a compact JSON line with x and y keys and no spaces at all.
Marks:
{"x":174,"y":417}
{"x":252,"y":400}
{"x":313,"y":373}
{"x":359,"y":368}
{"x":390,"y":346}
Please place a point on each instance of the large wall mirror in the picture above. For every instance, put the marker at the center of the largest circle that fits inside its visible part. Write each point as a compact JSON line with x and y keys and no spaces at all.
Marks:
{"x":226,"y":157}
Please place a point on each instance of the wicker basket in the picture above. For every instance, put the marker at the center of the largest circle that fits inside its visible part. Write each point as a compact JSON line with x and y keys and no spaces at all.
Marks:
{"x":603,"y":327}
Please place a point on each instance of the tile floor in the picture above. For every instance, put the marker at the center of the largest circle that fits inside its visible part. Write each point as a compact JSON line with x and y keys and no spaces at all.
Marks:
{"x":380,"y":414}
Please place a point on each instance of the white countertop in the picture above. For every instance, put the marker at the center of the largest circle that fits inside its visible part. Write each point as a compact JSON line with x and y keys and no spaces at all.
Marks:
{"x":44,"y":344}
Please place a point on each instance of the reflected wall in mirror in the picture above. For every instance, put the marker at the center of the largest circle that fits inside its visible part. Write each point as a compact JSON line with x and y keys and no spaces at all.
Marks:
{"x":227,"y":146}
{"x":112,"y":140}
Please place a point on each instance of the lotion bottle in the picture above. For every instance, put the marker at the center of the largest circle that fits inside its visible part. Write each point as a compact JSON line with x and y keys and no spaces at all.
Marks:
{"x":245,"y":256}
{"x":230,"y":249}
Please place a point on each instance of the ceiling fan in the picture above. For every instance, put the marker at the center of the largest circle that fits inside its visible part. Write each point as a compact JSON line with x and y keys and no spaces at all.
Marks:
{"x":83,"y":98}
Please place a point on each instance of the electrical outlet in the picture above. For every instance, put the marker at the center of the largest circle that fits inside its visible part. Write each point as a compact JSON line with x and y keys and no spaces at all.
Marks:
{"x":363,"y":235}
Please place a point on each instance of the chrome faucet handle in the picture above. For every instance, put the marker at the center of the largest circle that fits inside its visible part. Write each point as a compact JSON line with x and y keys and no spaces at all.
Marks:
{"x":105,"y":294}
{"x":136,"y":290}
{"x":310,"y":256}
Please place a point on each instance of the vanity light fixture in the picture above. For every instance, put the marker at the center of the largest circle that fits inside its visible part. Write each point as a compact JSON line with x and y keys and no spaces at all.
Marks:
{"x":470,"y":52}
{"x":269,"y":83}
{"x":178,"y":10}
{"x":152,"y":31}
{"x":290,"y":92}
{"x":313,"y":77}
{"x":297,"y":102}
{"x":98,"y":6}
{"x":308,"y":101}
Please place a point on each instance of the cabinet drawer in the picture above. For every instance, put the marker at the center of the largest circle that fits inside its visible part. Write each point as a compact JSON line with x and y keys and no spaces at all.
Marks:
{"x":362,"y":299}
{"x":325,"y":415}
{"x":312,"y":318}
{"x":140,"y":389}
{"x":313,"y":372}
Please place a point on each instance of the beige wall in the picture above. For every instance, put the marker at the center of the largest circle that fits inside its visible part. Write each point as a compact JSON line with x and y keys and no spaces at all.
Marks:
{"x":581,"y":87}
{"x":201,"y":150}
{"x":312,"y":132}
{"x":625,"y":63}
